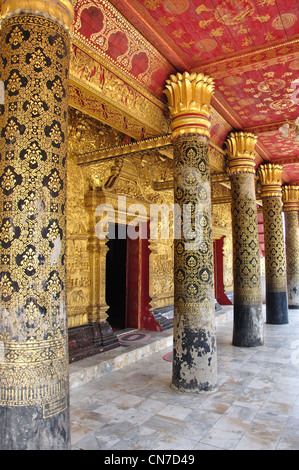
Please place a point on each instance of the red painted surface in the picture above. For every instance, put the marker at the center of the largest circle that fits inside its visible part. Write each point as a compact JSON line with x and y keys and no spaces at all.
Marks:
{"x":138,"y":314}
{"x":249,"y":47}
{"x":220,"y":294}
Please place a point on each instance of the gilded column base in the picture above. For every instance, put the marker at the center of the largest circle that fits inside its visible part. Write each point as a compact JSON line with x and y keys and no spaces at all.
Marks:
{"x":90,"y":339}
{"x":277,"y":308}
{"x":248,"y":328}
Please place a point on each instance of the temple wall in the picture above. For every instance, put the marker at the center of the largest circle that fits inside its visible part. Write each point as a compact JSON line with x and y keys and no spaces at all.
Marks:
{"x":137,"y":178}
{"x":222,"y":221}
{"x":85,"y":134}
{"x":130,"y":177}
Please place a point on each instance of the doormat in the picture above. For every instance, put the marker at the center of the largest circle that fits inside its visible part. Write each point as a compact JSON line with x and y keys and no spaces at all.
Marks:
{"x":168,"y":357}
{"x":131,"y":338}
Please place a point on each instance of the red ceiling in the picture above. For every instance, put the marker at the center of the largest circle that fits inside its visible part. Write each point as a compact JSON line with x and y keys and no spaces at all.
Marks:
{"x":250,"y":48}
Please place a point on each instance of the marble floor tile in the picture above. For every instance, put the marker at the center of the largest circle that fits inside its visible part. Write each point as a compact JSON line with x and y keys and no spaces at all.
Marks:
{"x":117,"y":428}
{"x":150,"y":405}
{"x":177,"y":413}
{"x":256,"y":406}
{"x":174,"y":442}
{"x":127,"y":400}
{"x":248,"y":442}
{"x":289,"y":439}
{"x":93,"y":442}
{"x":224,"y":439}
{"x":79,"y":432}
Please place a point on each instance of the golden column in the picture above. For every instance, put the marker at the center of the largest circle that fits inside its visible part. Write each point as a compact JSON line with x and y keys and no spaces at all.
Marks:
{"x":276,"y":282}
{"x":34,"y":64}
{"x":194,"y":358}
{"x":290,"y":197}
{"x":248,"y":322}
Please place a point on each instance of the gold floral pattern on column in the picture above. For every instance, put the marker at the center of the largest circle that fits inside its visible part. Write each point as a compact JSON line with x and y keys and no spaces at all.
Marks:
{"x":290,"y":197}
{"x":247,"y":282}
{"x":275,"y":260}
{"x":248,"y":330}
{"x":270,"y":178}
{"x":33,"y":137}
{"x":194,"y":358}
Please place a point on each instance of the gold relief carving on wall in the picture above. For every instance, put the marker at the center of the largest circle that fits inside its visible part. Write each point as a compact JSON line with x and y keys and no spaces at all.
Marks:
{"x":85,"y":134}
{"x":134,"y":44}
{"x":86,"y":71}
{"x":222,"y":224}
{"x":161,"y":145}
{"x":161,"y":287}
{"x":219,"y":192}
{"x":133,"y":177}
{"x":218,"y":160}
{"x":97,"y":108}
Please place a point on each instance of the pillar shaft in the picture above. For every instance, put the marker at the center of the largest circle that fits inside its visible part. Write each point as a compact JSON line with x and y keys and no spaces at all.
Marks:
{"x":248,"y":322}
{"x":194,"y":358}
{"x":290,"y":196}
{"x":276,"y":284}
{"x":34,"y":64}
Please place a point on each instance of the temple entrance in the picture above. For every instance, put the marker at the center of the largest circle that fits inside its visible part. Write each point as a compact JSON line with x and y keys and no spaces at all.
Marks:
{"x":116,"y":269}
{"x":127,"y":281}
{"x":220,"y":294}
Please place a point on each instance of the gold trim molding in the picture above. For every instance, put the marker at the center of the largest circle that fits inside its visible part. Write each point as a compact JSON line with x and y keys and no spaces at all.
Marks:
{"x":100,"y":83}
{"x":189,"y":98}
{"x":290,"y":198}
{"x":60,"y":11}
{"x":161,"y":143}
{"x":270,"y":178}
{"x":240,"y":151}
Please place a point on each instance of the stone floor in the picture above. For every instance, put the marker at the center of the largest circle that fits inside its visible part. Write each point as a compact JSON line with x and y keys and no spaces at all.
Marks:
{"x":133,"y":407}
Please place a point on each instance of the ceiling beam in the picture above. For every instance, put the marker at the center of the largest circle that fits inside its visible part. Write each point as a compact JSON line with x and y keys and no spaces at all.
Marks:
{"x":236,"y":64}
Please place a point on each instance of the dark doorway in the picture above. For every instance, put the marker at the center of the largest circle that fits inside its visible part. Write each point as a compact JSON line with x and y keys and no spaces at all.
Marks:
{"x":127,"y":281}
{"x":116,"y":278}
